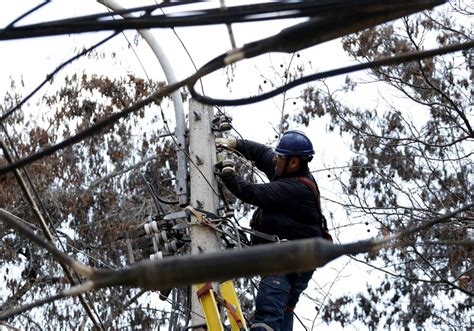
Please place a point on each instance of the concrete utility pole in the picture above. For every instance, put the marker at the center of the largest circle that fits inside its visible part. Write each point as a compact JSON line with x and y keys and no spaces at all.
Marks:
{"x":202,"y":150}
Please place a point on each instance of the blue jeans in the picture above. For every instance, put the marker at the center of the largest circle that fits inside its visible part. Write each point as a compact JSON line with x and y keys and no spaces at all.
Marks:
{"x":277,"y":296}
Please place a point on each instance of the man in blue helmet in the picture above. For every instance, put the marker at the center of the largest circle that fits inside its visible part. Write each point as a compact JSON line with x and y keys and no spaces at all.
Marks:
{"x":288,"y":207}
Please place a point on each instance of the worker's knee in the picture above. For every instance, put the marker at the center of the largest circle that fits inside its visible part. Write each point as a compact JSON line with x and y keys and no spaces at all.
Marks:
{"x":273,"y":293}
{"x":271,"y":301}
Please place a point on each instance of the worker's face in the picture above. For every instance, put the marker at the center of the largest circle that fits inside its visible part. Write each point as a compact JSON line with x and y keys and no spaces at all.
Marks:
{"x":292,"y":165}
{"x":279,"y":164}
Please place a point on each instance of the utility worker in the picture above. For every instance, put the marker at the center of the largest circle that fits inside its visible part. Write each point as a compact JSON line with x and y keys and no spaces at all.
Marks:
{"x":288,"y":207}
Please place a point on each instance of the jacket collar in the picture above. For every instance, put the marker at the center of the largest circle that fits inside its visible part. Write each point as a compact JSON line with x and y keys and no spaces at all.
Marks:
{"x":301,"y":172}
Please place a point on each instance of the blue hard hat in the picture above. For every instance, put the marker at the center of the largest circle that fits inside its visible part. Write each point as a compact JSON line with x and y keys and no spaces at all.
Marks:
{"x":294,"y":142}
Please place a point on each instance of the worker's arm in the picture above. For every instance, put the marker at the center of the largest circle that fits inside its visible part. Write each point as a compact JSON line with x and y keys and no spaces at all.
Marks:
{"x":283,"y":192}
{"x":262,"y":155}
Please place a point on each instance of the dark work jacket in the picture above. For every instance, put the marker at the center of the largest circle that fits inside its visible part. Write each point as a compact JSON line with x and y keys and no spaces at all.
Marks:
{"x":287,"y":206}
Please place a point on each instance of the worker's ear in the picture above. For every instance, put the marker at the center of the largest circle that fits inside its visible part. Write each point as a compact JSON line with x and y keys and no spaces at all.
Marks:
{"x":294,"y":163}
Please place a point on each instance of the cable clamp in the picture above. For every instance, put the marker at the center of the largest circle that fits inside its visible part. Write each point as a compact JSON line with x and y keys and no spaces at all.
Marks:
{"x":200,"y":217}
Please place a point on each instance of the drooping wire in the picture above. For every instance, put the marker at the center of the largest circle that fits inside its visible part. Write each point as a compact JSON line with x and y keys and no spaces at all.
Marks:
{"x":214,"y":65}
{"x":234,"y":14}
{"x":52,"y":74}
{"x":100,"y":125}
{"x":386,"y":61}
{"x":156,"y":198}
{"x":10,"y":25}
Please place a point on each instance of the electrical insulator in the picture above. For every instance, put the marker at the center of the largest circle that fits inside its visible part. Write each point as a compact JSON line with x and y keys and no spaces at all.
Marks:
{"x":156,"y":256}
{"x":224,"y":123}
{"x":151,"y":227}
{"x":229,"y":212}
{"x":228,"y":164}
{"x":171,"y":247}
{"x":162,"y":237}
{"x":156,"y":244}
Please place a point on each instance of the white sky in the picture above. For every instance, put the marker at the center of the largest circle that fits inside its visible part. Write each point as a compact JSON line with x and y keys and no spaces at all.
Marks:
{"x":33,"y":59}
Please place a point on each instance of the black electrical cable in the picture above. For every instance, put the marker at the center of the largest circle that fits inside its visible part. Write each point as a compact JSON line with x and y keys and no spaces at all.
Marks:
{"x":214,"y":65}
{"x":394,"y":60}
{"x":249,"y":50}
{"x":52,"y":74}
{"x":26,"y":14}
{"x":91,"y":23}
{"x":147,"y":9}
{"x":235,"y":14}
{"x":156,"y":198}
{"x":125,"y":11}
{"x":91,"y":130}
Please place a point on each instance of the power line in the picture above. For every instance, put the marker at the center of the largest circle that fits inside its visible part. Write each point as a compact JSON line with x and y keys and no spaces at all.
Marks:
{"x":9,"y":26}
{"x":214,"y":65}
{"x":235,"y":14}
{"x":394,"y":60}
{"x":52,"y":74}
{"x":274,"y":43}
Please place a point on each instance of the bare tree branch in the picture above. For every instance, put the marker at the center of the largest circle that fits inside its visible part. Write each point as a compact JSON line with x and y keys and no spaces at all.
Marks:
{"x":285,"y":257}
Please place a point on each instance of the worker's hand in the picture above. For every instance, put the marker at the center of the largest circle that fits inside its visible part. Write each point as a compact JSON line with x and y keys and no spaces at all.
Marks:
{"x":229,"y":142}
{"x":229,"y":177}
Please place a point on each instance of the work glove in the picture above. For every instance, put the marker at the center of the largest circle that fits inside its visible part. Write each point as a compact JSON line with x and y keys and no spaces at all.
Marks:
{"x":229,"y":142}
{"x":228,"y":176}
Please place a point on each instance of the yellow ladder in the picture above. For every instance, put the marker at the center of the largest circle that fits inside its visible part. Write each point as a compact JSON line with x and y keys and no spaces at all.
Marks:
{"x":228,"y":298}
